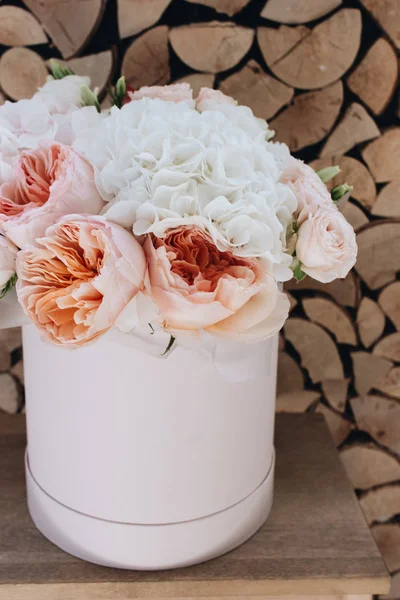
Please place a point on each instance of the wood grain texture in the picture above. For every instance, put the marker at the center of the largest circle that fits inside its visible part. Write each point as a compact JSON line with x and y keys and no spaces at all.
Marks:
{"x":315,"y":541}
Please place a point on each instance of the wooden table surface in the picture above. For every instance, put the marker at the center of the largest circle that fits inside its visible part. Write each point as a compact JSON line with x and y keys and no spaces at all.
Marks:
{"x":315,"y":541}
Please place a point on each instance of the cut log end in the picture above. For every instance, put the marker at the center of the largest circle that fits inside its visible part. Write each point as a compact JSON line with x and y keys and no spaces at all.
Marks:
{"x":211,"y":47}
{"x":22,"y":72}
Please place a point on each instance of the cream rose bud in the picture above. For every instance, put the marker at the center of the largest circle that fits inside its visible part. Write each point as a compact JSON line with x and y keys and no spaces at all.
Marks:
{"x":8,"y":256}
{"x":177,"y":92}
{"x":310,"y":191}
{"x":326,"y":245}
{"x":46,"y":183}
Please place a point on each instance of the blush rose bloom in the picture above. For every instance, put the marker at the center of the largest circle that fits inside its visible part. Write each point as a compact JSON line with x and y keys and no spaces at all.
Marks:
{"x":47,"y":183}
{"x":198,"y":287}
{"x":310,"y":191}
{"x":177,"y":92}
{"x":209,"y":98}
{"x":326,"y":245}
{"x":77,"y":280}
{"x":8,"y":256}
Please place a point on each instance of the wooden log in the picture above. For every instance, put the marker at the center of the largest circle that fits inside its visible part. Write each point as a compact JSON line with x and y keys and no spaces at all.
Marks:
{"x":389,"y":347}
{"x":331,"y":316}
{"x":378,"y":252}
{"x":355,"y":127}
{"x":374,"y":79}
{"x":389,"y":301}
{"x":290,"y":376}
{"x":387,"y":14}
{"x":297,"y":401}
{"x":345,"y":291}
{"x":10,"y":340}
{"x":69,"y":24}
{"x":99,"y":67}
{"x":197,"y":81}
{"x":382,"y":156}
{"x":370,"y":321}
{"x":18,"y":371}
{"x":394,"y":593}
{"x":251,"y":87}
{"x":227,"y":7}
{"x":368,"y":466}
{"x":22,"y":72}
{"x":387,"y":538}
{"x":294,"y":12}
{"x":18,"y":27}
{"x":146,"y":62}
{"x":292,"y":300}
{"x":135,"y":15}
{"x":354,"y":215}
{"x":335,"y":392}
{"x":311,"y":59}
{"x":380,"y":417}
{"x":368,"y":371}
{"x":353,"y":172}
{"x":211,"y":47}
{"x":8,"y":394}
{"x":338,"y":426}
{"x":306,"y":337}
{"x":281,"y":343}
{"x":303,"y":123}
{"x":390,"y":384}
{"x":381,"y":504}
{"x":388,"y":203}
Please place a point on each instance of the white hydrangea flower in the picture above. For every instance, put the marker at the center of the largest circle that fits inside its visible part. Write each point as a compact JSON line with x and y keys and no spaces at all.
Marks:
{"x":160,"y":164}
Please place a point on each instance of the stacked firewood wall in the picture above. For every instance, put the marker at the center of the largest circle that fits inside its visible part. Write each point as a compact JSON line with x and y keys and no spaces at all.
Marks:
{"x":325,"y":76}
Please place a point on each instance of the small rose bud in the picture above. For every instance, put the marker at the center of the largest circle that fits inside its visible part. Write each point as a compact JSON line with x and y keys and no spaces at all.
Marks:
{"x":328,"y":173}
{"x":59,"y":71}
{"x":340,"y":190}
{"x":89,"y":98}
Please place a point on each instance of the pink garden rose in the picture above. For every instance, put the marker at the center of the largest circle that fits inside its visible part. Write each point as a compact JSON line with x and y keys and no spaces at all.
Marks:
{"x":207,"y":95}
{"x":177,"y":92}
{"x":310,"y":191}
{"x":47,"y":183}
{"x":326,"y":245}
{"x":196,"y":286}
{"x":8,"y":255}
{"x":74,"y":283}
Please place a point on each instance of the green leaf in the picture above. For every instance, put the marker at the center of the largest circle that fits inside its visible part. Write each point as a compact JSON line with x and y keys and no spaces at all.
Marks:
{"x":59,"y":71}
{"x":9,"y":285}
{"x":340,"y":190}
{"x":89,"y":98}
{"x":328,"y":173}
{"x":298,"y":272}
{"x":170,"y":344}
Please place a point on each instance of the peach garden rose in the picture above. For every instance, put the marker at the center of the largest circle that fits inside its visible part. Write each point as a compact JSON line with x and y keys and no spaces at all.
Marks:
{"x":47,"y":183}
{"x":74,"y":283}
{"x":196,"y":286}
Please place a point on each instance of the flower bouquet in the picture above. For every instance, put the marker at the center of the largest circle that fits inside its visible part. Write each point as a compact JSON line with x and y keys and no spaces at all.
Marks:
{"x":143,"y":249}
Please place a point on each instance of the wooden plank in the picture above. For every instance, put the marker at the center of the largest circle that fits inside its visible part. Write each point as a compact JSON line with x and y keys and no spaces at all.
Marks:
{"x":315,"y":542}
